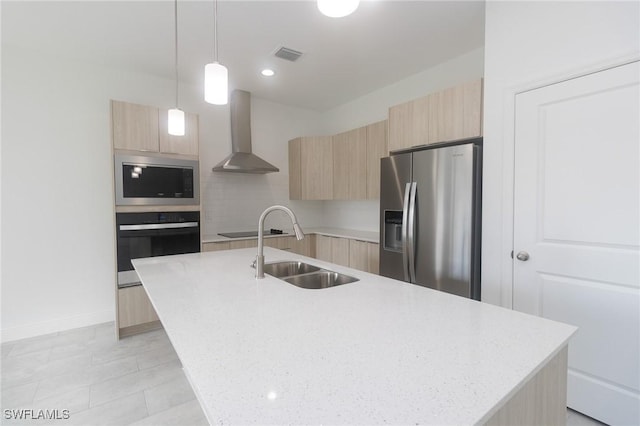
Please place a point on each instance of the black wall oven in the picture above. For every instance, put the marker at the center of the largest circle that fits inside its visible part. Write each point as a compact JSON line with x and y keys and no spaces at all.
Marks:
{"x":155,"y":180}
{"x":153,"y":234}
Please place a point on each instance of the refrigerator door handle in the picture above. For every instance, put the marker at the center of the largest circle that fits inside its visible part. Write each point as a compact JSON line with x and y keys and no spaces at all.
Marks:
{"x":405,"y":234}
{"x":411,"y":228}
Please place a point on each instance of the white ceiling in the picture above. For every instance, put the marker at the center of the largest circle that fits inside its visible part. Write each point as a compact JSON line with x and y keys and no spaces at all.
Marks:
{"x":381,"y":43}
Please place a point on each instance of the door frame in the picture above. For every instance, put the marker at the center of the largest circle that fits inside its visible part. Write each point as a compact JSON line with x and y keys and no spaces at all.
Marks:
{"x":505,"y":167}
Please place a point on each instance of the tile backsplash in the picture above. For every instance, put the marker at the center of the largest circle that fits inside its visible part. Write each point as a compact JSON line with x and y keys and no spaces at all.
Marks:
{"x":234,"y":202}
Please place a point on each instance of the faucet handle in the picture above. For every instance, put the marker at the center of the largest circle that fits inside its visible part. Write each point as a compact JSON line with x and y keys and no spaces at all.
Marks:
{"x":253,"y":264}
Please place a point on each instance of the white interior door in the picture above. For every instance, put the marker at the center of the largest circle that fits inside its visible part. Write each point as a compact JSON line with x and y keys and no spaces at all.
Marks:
{"x":577,"y":218}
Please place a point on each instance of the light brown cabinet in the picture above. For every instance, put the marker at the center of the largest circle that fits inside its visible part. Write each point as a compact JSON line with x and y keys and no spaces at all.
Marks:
{"x":323,"y":248}
{"x":144,"y":128}
{"x":332,"y":249}
{"x":347,"y":168}
{"x":135,"y":312}
{"x":311,"y":168}
{"x":215,"y":246}
{"x":350,"y":165}
{"x":305,"y":247}
{"x":453,"y":113}
{"x":363,"y":255}
{"x":374,"y":257}
{"x":240,"y":244}
{"x":185,"y":145}
{"x":134,"y":127}
{"x":356,"y":254}
{"x":377,"y":148}
{"x":230,"y":245}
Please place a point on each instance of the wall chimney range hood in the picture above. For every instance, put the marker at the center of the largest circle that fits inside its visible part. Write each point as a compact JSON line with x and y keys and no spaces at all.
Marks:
{"x":242,"y":160}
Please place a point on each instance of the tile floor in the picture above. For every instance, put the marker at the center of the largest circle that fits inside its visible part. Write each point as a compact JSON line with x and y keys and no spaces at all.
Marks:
{"x":101,"y":381}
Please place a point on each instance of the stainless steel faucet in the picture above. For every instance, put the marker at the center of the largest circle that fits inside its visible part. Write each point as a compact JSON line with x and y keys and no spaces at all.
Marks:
{"x":296,"y":229}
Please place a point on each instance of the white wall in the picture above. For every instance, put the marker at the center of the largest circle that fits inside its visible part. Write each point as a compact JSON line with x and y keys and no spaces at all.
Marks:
{"x":58,"y":262}
{"x":374,"y":107}
{"x":528,"y":45}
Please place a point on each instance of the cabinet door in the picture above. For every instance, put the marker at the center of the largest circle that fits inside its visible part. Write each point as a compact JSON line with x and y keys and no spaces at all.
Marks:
{"x":350,"y":165}
{"x":358,"y":255}
{"x":456,"y":112}
{"x":374,"y":258}
{"x":323,"y":248}
{"x":282,"y":243}
{"x":409,"y":124}
{"x":376,"y":149}
{"x":238,"y":244}
{"x":340,"y":251}
{"x":134,"y":307}
{"x":472,"y":109}
{"x":134,"y":127}
{"x":306,"y":246}
{"x":295,"y":169}
{"x":316,"y":165}
{"x":187,"y":144}
{"x":364,"y":256}
{"x":215,"y":246}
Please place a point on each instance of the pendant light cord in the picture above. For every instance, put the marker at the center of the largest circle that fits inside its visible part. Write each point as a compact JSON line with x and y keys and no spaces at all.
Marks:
{"x":175,"y":16}
{"x":215,"y":30}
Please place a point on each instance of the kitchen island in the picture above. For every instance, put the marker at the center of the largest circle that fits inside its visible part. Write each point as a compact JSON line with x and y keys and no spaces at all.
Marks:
{"x":370,"y":352}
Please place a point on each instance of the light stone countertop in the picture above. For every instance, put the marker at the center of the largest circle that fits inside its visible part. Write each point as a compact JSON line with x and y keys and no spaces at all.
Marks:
{"x":370,"y":352}
{"x":370,"y":236}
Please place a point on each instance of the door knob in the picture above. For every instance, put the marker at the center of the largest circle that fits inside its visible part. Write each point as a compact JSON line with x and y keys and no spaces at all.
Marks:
{"x":523,"y":256}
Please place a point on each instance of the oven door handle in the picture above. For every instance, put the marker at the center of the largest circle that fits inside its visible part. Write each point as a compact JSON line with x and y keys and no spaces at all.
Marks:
{"x":158,"y":226}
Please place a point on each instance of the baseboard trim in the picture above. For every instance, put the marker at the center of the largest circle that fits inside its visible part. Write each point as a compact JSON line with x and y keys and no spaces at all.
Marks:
{"x":56,"y":325}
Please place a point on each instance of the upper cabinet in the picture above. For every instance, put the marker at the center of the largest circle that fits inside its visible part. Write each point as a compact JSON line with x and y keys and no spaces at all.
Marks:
{"x":377,"y":148}
{"x":350,"y":165}
{"x":187,"y":144}
{"x":450,"y":114}
{"x":135,"y":127}
{"x":345,"y":166}
{"x":144,"y":128}
{"x":311,"y":168}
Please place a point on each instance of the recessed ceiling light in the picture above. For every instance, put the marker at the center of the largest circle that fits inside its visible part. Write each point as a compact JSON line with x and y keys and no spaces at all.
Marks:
{"x":267,"y":72}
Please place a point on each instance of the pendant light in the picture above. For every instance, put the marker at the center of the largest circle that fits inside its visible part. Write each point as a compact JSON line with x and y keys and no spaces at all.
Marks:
{"x":175,"y":118}
{"x":216,"y":76}
{"x":337,"y":8}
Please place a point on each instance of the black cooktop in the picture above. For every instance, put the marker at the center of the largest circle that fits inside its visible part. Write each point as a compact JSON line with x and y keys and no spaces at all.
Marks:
{"x":244,"y":234}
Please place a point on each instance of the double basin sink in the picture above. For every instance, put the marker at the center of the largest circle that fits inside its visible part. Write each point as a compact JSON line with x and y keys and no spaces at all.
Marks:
{"x":306,"y":276}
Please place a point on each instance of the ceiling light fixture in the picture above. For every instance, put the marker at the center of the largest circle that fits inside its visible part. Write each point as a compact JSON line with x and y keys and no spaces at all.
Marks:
{"x":175,"y":116}
{"x":337,"y":8}
{"x":268,"y":72}
{"x":216,"y":76}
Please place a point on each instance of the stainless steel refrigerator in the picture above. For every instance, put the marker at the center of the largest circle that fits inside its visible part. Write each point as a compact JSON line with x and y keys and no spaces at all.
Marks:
{"x":430,"y":204}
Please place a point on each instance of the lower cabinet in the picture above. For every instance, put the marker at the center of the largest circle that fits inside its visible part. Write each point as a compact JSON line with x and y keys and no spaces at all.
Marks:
{"x":215,"y":246}
{"x":332,"y":249}
{"x":135,"y":312}
{"x":305,"y":247}
{"x":361,"y":255}
{"x":364,"y":256}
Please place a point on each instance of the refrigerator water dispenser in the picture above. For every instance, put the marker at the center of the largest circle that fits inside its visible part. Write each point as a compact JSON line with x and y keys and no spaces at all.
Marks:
{"x":393,"y":230}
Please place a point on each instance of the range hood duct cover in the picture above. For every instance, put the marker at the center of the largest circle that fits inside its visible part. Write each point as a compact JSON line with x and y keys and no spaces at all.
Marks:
{"x":242,"y":160}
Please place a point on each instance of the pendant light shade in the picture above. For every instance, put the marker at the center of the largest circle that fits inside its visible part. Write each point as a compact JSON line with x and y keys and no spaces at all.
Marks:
{"x":176,"y":122}
{"x":216,"y":84}
{"x":337,"y":8}
{"x":216,"y":76}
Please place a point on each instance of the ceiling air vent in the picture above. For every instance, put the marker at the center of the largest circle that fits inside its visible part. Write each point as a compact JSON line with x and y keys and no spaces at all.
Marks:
{"x":288,"y":54}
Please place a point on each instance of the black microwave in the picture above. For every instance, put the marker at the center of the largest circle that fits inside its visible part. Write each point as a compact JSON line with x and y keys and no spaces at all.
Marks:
{"x":155,"y":180}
